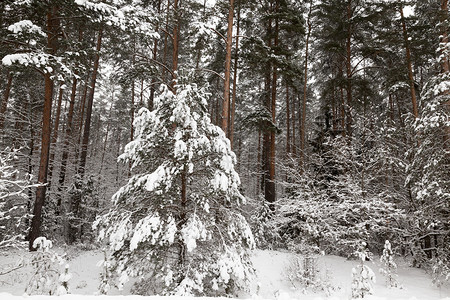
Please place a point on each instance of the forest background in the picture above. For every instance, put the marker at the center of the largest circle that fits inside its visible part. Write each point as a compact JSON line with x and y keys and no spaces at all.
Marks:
{"x":337,"y":112}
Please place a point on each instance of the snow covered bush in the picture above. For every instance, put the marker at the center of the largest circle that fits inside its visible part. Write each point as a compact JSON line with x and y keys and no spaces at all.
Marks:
{"x":332,"y":214}
{"x":12,"y":200}
{"x":440,"y":270}
{"x":105,"y":275}
{"x":46,"y":278}
{"x":429,"y":226}
{"x":389,"y":266}
{"x":176,"y":224}
{"x":363,"y":277}
{"x":304,"y":272}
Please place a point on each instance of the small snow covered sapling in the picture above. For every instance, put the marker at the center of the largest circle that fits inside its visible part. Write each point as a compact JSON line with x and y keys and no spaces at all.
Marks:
{"x":64,"y":278}
{"x":46,"y":279}
{"x":363,"y":277}
{"x":105,"y":275}
{"x":389,"y":266}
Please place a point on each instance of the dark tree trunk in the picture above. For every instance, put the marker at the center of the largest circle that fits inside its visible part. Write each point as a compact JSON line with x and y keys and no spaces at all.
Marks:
{"x":67,"y":137}
{"x":235,"y":71}
{"x":55,"y":136}
{"x":409,"y":64}
{"x":226,"y":90}
{"x":52,"y":43}
{"x":305,"y":87}
{"x":5,"y":100}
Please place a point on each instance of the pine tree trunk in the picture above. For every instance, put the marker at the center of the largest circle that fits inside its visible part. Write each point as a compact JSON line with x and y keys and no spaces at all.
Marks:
{"x":105,"y":142}
{"x":408,"y":62}
{"x":305,"y":86}
{"x":236,"y":60}
{"x":293,"y":118}
{"x":90,"y":99}
{"x":165,"y":40}
{"x":5,"y":100}
{"x":67,"y":137}
{"x":175,"y":44}
{"x":270,"y":184}
{"x":288,"y":121}
{"x":226,"y":91}
{"x":445,"y":63}
{"x":348,"y":67}
{"x":81,"y":118}
{"x":52,"y":44}
{"x":55,"y":136}
{"x":444,"y":35}
{"x":76,"y":200}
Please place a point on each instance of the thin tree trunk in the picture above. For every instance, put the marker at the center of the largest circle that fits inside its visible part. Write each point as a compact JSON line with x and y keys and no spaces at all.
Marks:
{"x":76,"y":200}
{"x":270,"y":184}
{"x":305,"y":87}
{"x":226,"y":90}
{"x":165,"y":40}
{"x":175,"y":44}
{"x":87,"y":124}
{"x":293,"y":118}
{"x":81,"y":118}
{"x":132,"y":111}
{"x":55,"y":135}
{"x":444,"y":35}
{"x":445,"y":63}
{"x":408,"y":62}
{"x":5,"y":100}
{"x":52,"y":44}
{"x":344,"y":130}
{"x":106,"y":135}
{"x":348,"y":67}
{"x":153,"y":81}
{"x":288,"y":121}
{"x":235,"y":71}
{"x":67,"y":137}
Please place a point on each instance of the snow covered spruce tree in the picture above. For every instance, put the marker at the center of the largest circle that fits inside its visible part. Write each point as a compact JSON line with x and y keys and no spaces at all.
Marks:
{"x":176,"y":223}
{"x":389,"y":266}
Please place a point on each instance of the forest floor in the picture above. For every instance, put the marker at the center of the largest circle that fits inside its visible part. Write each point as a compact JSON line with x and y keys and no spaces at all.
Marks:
{"x":272,"y":269}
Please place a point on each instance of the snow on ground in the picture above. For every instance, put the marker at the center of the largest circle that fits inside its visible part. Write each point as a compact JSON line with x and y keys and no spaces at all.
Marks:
{"x":270,"y":283}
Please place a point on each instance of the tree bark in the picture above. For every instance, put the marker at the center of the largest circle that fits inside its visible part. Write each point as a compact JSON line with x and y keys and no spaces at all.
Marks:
{"x":67,"y":137}
{"x":444,"y":34}
{"x":445,"y":63}
{"x":5,"y":100}
{"x":226,"y":90}
{"x":76,"y":200}
{"x":52,"y":25}
{"x":348,"y":67}
{"x":235,"y":71}
{"x":175,"y":45}
{"x":288,"y":121}
{"x":409,"y":64}
{"x":305,"y":87}
{"x":55,"y":135}
{"x":90,"y":99}
{"x":81,"y":117}
{"x":270,"y":140}
{"x":105,"y":142}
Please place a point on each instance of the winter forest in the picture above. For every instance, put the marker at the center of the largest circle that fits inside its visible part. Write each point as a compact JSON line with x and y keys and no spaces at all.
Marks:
{"x":187,"y":143}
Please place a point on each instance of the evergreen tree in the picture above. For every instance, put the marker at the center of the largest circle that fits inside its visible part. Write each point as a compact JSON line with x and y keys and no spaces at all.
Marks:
{"x":389,"y":266}
{"x":176,"y":223}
